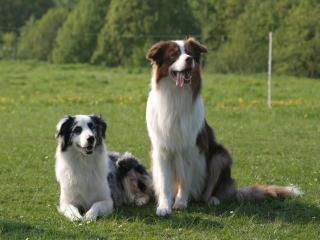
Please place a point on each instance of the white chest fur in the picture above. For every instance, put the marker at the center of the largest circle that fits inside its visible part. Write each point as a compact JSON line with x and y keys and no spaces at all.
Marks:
{"x":174,"y":118}
{"x":83,"y":181}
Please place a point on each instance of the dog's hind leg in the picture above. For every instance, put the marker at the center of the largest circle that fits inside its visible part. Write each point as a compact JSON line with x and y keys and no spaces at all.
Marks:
{"x":219,"y":173}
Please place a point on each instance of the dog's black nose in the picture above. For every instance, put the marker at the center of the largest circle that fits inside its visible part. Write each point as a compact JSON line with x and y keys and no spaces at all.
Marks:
{"x":189,"y":60}
{"x":90,"y":139}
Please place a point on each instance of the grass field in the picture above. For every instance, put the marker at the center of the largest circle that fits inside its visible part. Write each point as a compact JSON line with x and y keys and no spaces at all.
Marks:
{"x":269,"y":146}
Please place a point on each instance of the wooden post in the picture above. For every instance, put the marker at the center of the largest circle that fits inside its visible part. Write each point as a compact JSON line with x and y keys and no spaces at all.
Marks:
{"x":269,"y":70}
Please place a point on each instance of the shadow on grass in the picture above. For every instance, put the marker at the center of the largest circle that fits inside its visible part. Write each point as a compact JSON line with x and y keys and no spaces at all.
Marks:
{"x":178,"y":220}
{"x":16,"y":230}
{"x":286,"y":210}
{"x":199,"y":215}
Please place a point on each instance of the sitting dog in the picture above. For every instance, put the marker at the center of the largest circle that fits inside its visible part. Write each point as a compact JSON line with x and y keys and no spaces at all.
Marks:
{"x":92,"y":181}
{"x":187,"y":161}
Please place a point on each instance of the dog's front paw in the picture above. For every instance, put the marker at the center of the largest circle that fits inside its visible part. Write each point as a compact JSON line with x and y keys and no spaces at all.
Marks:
{"x":70,"y":212}
{"x":75,"y":218}
{"x":91,"y":215}
{"x":162,"y":212}
{"x":180,"y":205}
{"x":214,"y":201}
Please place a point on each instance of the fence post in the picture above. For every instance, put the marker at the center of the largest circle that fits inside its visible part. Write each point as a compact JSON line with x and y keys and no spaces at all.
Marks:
{"x":269,"y":70}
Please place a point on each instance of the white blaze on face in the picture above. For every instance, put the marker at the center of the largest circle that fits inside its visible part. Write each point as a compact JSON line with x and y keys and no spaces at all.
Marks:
{"x":180,"y":63}
{"x":181,"y":70}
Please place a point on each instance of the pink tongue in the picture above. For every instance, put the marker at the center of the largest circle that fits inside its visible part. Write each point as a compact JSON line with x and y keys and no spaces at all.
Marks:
{"x":179,"y":79}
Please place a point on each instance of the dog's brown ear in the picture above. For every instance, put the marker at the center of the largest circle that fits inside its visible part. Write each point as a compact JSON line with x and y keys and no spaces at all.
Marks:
{"x":195,"y":45}
{"x":155,"y":53}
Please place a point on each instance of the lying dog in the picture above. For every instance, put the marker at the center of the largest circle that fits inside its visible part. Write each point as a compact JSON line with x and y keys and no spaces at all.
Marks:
{"x":128,"y":179}
{"x":93,"y":181}
{"x":187,"y":161}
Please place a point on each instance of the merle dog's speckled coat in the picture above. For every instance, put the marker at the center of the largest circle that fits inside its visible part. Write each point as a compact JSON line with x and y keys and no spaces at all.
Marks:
{"x":128,"y":180}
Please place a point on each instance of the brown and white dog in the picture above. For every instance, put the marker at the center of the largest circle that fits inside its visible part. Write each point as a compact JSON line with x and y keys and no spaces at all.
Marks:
{"x":187,"y":162}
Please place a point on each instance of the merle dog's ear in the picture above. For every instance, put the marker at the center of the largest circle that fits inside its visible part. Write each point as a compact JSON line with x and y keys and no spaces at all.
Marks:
{"x":100,"y":124}
{"x":155,"y":53}
{"x":127,"y":162}
{"x":64,"y":126}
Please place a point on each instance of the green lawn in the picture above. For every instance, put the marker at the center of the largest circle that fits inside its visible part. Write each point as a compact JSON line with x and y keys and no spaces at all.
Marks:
{"x":280,"y":146}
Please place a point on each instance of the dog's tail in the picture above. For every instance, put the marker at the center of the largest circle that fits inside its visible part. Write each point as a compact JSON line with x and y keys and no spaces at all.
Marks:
{"x":261,"y":192}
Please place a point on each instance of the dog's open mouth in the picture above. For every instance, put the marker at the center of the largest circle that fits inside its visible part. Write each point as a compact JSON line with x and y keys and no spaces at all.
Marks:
{"x":88,"y":149}
{"x":182,"y":77}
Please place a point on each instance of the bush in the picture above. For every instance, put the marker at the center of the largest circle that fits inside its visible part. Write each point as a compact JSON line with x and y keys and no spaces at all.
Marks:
{"x":37,"y":37}
{"x":77,"y":38}
{"x":246,"y":49}
{"x":215,"y":18}
{"x":14,"y":13}
{"x":132,"y":26}
{"x":66,"y":4}
{"x":8,"y":46}
{"x":297,"y":42}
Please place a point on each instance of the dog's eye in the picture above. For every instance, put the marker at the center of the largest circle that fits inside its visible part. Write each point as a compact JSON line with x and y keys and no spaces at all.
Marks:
{"x":188,"y":52}
{"x":172,"y":59}
{"x":91,"y":126}
{"x":77,"y":130}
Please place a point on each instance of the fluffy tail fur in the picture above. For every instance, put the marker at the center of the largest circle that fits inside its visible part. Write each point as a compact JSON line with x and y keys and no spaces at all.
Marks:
{"x":260,"y":192}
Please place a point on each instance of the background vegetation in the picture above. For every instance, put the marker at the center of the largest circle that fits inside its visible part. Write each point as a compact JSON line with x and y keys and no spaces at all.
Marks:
{"x":77,"y":38}
{"x":268,"y":146}
{"x":118,"y":32}
{"x":38,"y":36}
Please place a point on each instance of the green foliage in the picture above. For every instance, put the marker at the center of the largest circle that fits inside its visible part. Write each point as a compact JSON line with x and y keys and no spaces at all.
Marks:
{"x":126,"y":24}
{"x":14,"y":13}
{"x":67,"y":4}
{"x":119,"y":32}
{"x":215,"y":18}
{"x":246,"y":48}
{"x":76,"y":39}
{"x":132,"y":26}
{"x":297,"y":42}
{"x":8,"y":46}
{"x":37,"y":37}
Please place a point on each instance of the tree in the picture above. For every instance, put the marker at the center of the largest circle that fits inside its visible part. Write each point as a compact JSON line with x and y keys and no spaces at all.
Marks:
{"x":132,"y":26}
{"x":14,"y":13}
{"x":8,"y":48}
{"x":38,"y":36}
{"x":297,"y":42}
{"x":77,"y":38}
{"x":215,"y":18}
{"x":66,"y":4}
{"x":246,"y":48}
